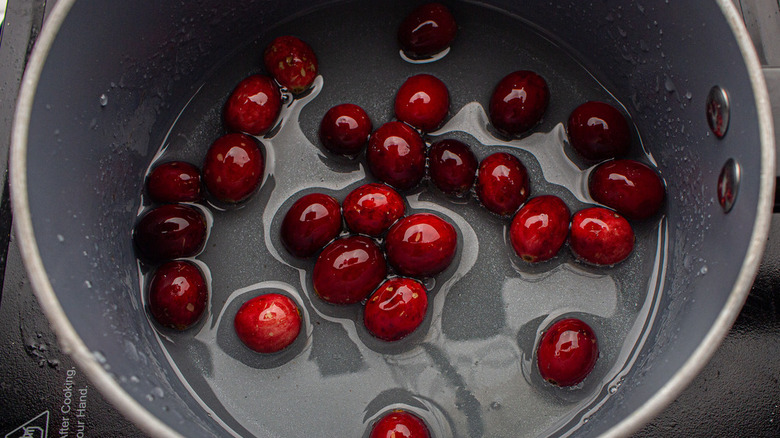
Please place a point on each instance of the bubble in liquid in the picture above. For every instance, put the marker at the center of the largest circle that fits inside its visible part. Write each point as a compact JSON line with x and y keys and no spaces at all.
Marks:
{"x":103,"y":100}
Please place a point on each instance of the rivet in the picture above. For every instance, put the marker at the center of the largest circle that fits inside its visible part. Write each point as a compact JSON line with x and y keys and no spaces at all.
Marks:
{"x":718,"y":111}
{"x":728,"y":184}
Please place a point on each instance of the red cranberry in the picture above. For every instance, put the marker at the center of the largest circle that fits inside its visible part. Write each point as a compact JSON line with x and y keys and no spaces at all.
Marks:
{"x":169,"y":232}
{"x":519,"y":102}
{"x":178,"y":295}
{"x":567,"y":352}
{"x":372,"y":208}
{"x":502,"y":183}
{"x":400,"y":424}
{"x":174,"y":181}
{"x":233,"y":168}
{"x":348,"y":270}
{"x":253,"y":106}
{"x":421,"y":245}
{"x":291,"y":62}
{"x":268,"y":323}
{"x":539,"y":228}
{"x":312,"y":222}
{"x":423,"y":102}
{"x":601,"y":236}
{"x":453,"y":167}
{"x":396,"y":155}
{"x":396,"y":309}
{"x":428,"y":30}
{"x":598,"y":131}
{"x":630,"y":187}
{"x":345,"y":129}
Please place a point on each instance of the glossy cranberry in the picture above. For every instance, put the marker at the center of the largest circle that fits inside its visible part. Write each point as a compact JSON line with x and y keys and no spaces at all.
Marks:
{"x":268,"y":323}
{"x":174,"y":181}
{"x":502,"y":183}
{"x":169,"y":232}
{"x":630,"y":187}
{"x":400,"y":424}
{"x":291,"y":62}
{"x":372,"y":208}
{"x":567,"y":352}
{"x":312,"y":222}
{"x":348,"y":270}
{"x":396,"y":309}
{"x":426,"y":31}
{"x":253,"y":106}
{"x":598,"y":131}
{"x":233,"y":168}
{"x":422,"y":101}
{"x":539,"y":228}
{"x":345,"y":129}
{"x":601,"y":236}
{"x":421,"y":245}
{"x":452,"y":166}
{"x":396,"y":155}
{"x":519,"y":102}
{"x":178,"y":295}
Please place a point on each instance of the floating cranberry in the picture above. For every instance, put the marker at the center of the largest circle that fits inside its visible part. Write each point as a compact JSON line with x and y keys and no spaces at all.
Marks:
{"x":598,"y":131}
{"x":372,"y":208}
{"x":312,"y":222}
{"x":426,"y":31}
{"x":268,"y":323}
{"x":601,"y":236}
{"x":396,"y":309}
{"x":253,"y":106}
{"x":567,"y":352}
{"x":178,"y":295}
{"x":291,"y":62}
{"x":233,"y":168}
{"x":519,"y":102}
{"x":400,"y":424}
{"x":453,"y":167}
{"x":630,"y":187}
{"x":396,"y":155}
{"x":422,"y":101}
{"x":348,"y":270}
{"x":421,"y":245}
{"x":169,"y":232}
{"x":539,"y":228}
{"x":345,"y":129}
{"x":174,"y":181}
{"x":502,"y":183}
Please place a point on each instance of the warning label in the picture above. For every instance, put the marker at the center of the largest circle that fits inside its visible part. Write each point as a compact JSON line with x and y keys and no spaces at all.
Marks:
{"x":38,"y":427}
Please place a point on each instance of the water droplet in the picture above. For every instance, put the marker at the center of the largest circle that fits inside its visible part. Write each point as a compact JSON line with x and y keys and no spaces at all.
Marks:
{"x":688,"y":95}
{"x":88,"y":284}
{"x":103,"y":100}
{"x":150,"y":397}
{"x":135,"y":379}
{"x":703,"y":270}
{"x":60,"y":237}
{"x":99,"y":357}
{"x":613,"y":389}
{"x":158,"y":392}
{"x":495,"y":405}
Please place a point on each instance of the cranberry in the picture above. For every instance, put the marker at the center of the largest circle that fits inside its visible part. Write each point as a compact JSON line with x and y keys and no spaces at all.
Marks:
{"x":423,"y":102}
{"x":178,"y":295}
{"x":170,"y":231}
{"x":312,"y":221}
{"x":174,"y":181}
{"x":291,"y":62}
{"x":396,"y":309}
{"x":372,"y":208}
{"x":426,"y":31}
{"x":348,"y":270}
{"x":233,"y":168}
{"x":502,"y":183}
{"x":253,"y":106}
{"x":598,"y":131}
{"x":630,"y":187}
{"x":519,"y":102}
{"x":567,"y":352}
{"x":396,"y":155}
{"x":421,"y":245}
{"x":400,"y":424}
{"x":453,"y":167}
{"x":268,"y":323}
{"x":345,"y":129}
{"x":601,"y":236}
{"x":539,"y":228}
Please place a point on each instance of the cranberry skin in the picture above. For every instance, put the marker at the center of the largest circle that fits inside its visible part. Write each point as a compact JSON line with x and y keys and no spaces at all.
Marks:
{"x":400,"y":424}
{"x":598,"y":131}
{"x":291,"y":62}
{"x":312,"y":221}
{"x":539,"y":228}
{"x":601,"y":236}
{"x":233,"y":168}
{"x":178,"y":295}
{"x":422,"y":101}
{"x":396,"y":155}
{"x":174,"y":181}
{"x":519,"y":102}
{"x":502,"y":183}
{"x":253,"y":106}
{"x":452,"y":166}
{"x":372,"y":208}
{"x":169,"y":232}
{"x":268,"y":323}
{"x":630,"y":187}
{"x":567,"y":352}
{"x":396,"y":309}
{"x":426,"y":31}
{"x":345,"y":129}
{"x":348,"y":270}
{"x":421,"y":245}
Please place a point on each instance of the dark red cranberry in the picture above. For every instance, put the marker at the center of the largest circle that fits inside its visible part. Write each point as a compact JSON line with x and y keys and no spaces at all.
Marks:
{"x":291,"y":62}
{"x":400,"y":424}
{"x":502,"y":183}
{"x":452,"y":166}
{"x":174,"y":181}
{"x":253,"y":106}
{"x":268,"y":323}
{"x":372,"y":208}
{"x":312,"y":222}
{"x":600,"y":236}
{"x":396,"y":155}
{"x":598,"y":131}
{"x":169,"y":232}
{"x":519,"y":102}
{"x":421,"y":245}
{"x":178,"y":295}
{"x":567,"y":352}
{"x":630,"y":187}
{"x":539,"y":228}
{"x":348,"y":270}
{"x":345,"y":129}
{"x":426,"y":31}
{"x":233,"y":168}
{"x":396,"y":309}
{"x":422,"y":101}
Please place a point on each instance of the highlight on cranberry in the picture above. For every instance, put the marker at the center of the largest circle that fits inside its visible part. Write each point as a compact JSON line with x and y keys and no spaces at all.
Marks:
{"x":600,"y":236}
{"x":423,"y":102}
{"x":395,"y":309}
{"x":233,"y":168}
{"x":518,"y":102}
{"x":452,"y":166}
{"x":502,"y":183}
{"x":168,"y":232}
{"x":268,"y":323}
{"x":253,"y":106}
{"x":178,"y":295}
{"x":310,"y":223}
{"x":421,"y":245}
{"x":174,"y":181}
{"x":598,"y":131}
{"x":632,"y":188}
{"x":372,"y":208}
{"x":348,"y":270}
{"x":345,"y":129}
{"x":567,"y":352}
{"x":399,"y":424}
{"x":291,"y":62}
{"x":539,"y":229}
{"x":396,"y":155}
{"x":427,"y":31}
